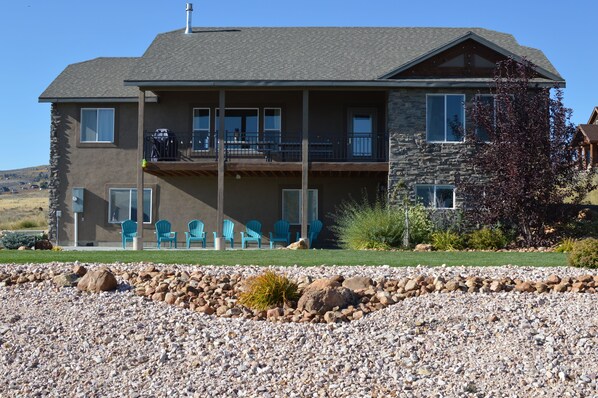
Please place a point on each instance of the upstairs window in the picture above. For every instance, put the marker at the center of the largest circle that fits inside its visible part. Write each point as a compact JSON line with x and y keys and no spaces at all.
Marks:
{"x":201,"y":129}
{"x":436,"y":196}
{"x":445,"y":117}
{"x":97,"y":125}
{"x":487,"y":101}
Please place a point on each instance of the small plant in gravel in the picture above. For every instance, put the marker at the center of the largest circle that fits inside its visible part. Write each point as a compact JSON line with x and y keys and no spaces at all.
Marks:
{"x":14,"y":240}
{"x":565,"y":245}
{"x":584,"y":254}
{"x":447,"y":241}
{"x":487,"y":239}
{"x":268,"y":290}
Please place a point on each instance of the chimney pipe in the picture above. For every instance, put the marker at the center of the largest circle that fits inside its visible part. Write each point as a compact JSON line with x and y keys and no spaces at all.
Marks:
{"x":189,"y":29}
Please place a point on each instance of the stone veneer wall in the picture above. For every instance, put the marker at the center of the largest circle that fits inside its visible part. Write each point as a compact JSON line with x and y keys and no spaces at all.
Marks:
{"x":414,"y":161}
{"x":54,"y":183}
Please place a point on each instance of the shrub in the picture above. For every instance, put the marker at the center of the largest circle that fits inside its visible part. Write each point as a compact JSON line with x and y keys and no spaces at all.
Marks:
{"x":363,"y":225}
{"x":14,"y":240}
{"x":27,"y":224}
{"x":565,"y":246}
{"x":487,"y":239}
{"x":268,"y":290}
{"x":447,"y":240}
{"x":584,"y":254}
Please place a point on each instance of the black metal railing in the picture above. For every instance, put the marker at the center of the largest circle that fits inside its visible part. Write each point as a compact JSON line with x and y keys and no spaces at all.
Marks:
{"x":268,"y":146}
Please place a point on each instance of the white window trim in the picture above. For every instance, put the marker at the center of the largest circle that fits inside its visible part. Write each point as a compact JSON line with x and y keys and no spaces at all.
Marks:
{"x":436,"y":186}
{"x":264,"y":118}
{"x":130,"y":201}
{"x":317,"y":208}
{"x":194,"y":130}
{"x":445,"y":127}
{"x":97,"y":127}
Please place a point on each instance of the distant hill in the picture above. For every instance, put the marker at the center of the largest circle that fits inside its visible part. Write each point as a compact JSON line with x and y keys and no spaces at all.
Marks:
{"x":18,"y":180}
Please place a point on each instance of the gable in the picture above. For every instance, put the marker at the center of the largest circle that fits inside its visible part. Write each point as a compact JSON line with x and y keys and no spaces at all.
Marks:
{"x":594,"y":116}
{"x":466,"y":59}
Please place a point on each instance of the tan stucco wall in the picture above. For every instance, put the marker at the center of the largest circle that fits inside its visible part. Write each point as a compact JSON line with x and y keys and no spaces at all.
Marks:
{"x":97,"y":167}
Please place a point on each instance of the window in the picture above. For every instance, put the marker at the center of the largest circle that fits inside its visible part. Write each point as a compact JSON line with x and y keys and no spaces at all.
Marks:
{"x":97,"y":125}
{"x":291,"y":205}
{"x":272,"y":124}
{"x":201,"y":129}
{"x":436,"y":196}
{"x":445,"y":117}
{"x":123,"y":205}
{"x":486,"y":100}
{"x":239,"y":124}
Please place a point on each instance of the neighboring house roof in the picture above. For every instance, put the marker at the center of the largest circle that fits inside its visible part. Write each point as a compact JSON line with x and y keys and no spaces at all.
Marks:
{"x":594,"y":116}
{"x":305,"y":54}
{"x":589,"y":134}
{"x":98,"y":80}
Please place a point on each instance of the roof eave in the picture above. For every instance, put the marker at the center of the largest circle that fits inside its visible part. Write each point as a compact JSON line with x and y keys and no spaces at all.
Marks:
{"x":161,"y":84}
{"x":93,"y":99}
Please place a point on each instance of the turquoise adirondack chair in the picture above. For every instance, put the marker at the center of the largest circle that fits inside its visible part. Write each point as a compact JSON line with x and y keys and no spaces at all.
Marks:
{"x":195,"y":233}
{"x":128,"y":231}
{"x":313,"y":230}
{"x":228,"y":233}
{"x":281,"y":233}
{"x":253,"y":233}
{"x":164,"y":233}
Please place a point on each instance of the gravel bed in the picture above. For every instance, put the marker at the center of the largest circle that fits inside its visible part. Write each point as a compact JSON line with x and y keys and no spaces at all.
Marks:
{"x":63,"y":343}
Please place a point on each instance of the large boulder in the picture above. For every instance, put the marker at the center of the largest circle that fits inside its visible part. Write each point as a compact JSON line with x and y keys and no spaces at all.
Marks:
{"x":99,"y":280}
{"x":324,"y":295}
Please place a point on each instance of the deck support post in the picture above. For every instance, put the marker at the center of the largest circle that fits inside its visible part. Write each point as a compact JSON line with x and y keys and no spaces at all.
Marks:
{"x":305,"y":167}
{"x":219,"y":241}
{"x":591,"y":156}
{"x":138,"y":240}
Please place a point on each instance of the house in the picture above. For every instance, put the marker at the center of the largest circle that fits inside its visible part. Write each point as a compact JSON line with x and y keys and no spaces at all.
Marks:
{"x":586,"y":141}
{"x":312,"y":117}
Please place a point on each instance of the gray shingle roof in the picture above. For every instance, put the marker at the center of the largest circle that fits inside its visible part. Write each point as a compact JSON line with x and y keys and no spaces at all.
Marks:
{"x":100,"y":78}
{"x":301,"y":54}
{"x":268,"y":54}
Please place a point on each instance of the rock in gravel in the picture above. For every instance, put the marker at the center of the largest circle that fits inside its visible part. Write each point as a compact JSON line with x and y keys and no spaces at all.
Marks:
{"x":100,"y":280}
{"x":525,"y":287}
{"x":79,"y":270}
{"x":358,"y":283}
{"x":323,"y":295}
{"x":67,"y":279}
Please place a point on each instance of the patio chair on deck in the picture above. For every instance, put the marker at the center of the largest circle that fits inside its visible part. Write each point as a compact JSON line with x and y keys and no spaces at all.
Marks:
{"x":253,"y":233}
{"x":228,"y":228}
{"x":281,"y":233}
{"x":128,"y":231}
{"x":164,"y":233}
{"x":313,"y":230}
{"x":195,"y":233}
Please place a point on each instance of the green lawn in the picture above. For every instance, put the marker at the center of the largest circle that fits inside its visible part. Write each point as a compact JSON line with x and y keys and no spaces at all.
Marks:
{"x":289,"y":258}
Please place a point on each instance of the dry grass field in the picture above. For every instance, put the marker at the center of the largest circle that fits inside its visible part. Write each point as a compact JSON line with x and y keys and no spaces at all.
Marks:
{"x":25,"y":210}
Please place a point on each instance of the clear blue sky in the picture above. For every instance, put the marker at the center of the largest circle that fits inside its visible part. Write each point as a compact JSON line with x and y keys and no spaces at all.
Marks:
{"x":39,"y":38}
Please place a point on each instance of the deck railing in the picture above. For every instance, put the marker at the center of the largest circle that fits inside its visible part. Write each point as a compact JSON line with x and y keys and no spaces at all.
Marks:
{"x":268,"y":146}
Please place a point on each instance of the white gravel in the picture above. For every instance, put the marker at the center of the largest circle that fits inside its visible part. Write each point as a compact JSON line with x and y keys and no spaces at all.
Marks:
{"x":61,"y":343}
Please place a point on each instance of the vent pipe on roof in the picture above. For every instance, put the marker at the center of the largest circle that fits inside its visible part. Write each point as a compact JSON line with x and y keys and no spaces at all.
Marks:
{"x":189,"y":29}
